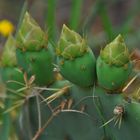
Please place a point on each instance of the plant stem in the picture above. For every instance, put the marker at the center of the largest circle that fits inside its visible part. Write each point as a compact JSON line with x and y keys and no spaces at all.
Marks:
{"x":106,"y":21}
{"x":23,"y":10}
{"x":50,"y":18}
{"x":75,"y":13}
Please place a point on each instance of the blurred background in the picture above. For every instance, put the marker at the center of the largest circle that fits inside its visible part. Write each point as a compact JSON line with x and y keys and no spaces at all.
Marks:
{"x":99,"y":21}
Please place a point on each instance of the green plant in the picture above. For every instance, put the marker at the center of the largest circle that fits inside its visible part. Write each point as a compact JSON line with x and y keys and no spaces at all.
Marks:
{"x":72,"y":107}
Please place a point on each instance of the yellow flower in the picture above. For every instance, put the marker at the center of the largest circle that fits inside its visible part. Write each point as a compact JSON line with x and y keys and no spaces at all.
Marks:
{"x":6,"y":27}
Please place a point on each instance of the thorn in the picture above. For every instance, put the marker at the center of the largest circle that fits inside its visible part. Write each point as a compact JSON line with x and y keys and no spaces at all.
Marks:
{"x":82,"y":108}
{"x":31,"y":80}
{"x":129,"y":83}
{"x":70,"y":101}
{"x":63,"y":104}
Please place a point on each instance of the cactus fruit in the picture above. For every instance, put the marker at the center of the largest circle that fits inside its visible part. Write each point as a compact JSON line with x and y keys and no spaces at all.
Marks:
{"x":114,"y":65}
{"x":9,"y":69}
{"x":34,"y":55}
{"x":74,"y":53}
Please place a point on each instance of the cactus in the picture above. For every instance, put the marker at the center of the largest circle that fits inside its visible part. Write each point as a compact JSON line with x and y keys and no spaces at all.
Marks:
{"x":72,"y":107}
{"x":74,"y":52}
{"x":34,"y":54}
{"x":11,"y":76}
{"x":114,"y":65}
{"x":121,"y":116}
{"x":9,"y":69}
{"x":66,"y":123}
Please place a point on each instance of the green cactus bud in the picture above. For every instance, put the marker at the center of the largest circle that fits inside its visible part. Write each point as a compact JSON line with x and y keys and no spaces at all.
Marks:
{"x":71,"y":44}
{"x":8,"y":57}
{"x":38,"y":63}
{"x":116,"y":53}
{"x":75,"y":59}
{"x":8,"y":68}
{"x":34,"y":55}
{"x":113,"y":65}
{"x":30,"y":36}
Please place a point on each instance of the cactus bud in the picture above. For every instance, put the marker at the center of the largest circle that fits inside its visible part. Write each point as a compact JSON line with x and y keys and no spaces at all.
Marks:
{"x":74,"y":53}
{"x":30,"y":36}
{"x":34,"y":55}
{"x":116,"y":52}
{"x":8,"y":67}
{"x":113,"y":65}
{"x":8,"y":57}
{"x":71,"y":44}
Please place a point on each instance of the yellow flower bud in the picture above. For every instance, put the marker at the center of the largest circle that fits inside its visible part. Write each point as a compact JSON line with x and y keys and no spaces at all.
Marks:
{"x":6,"y":28}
